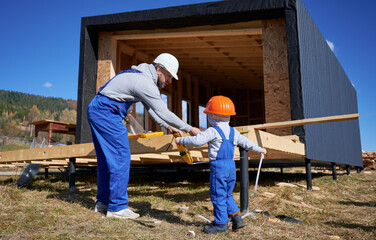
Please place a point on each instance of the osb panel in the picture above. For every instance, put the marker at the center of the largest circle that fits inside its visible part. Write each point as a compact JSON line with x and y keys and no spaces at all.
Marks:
{"x":276,"y":78}
{"x":105,"y":56}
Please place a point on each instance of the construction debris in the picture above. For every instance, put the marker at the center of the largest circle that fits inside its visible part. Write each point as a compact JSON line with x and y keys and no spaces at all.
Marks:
{"x":369,"y":160}
{"x":191,"y":233}
{"x":181,"y":208}
{"x":157,"y":222}
{"x":283,"y":184}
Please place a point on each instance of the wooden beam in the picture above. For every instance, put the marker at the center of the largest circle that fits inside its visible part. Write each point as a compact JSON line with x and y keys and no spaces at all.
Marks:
{"x":106,"y":58}
{"x":336,"y":118}
{"x":188,"y":33}
{"x":274,"y":142}
{"x":157,"y":144}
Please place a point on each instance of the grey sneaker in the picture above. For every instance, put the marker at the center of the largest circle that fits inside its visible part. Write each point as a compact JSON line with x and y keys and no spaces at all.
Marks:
{"x":125,"y":213}
{"x":100,"y":207}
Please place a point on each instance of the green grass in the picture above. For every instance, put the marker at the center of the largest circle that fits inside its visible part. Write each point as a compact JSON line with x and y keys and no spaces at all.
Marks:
{"x":13,"y":147}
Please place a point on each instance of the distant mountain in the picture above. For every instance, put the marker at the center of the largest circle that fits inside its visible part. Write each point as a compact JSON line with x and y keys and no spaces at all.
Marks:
{"x":20,"y":104}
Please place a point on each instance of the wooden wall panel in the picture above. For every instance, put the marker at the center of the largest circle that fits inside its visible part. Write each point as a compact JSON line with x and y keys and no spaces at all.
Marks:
{"x":106,"y":58}
{"x":276,"y":76}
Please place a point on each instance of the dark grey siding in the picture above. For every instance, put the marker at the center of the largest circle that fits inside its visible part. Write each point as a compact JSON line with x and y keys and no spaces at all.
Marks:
{"x":326,"y":91}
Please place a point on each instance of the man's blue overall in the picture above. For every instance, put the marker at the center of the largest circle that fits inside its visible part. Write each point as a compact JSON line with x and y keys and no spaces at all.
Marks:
{"x":110,"y":138}
{"x":223,"y":179}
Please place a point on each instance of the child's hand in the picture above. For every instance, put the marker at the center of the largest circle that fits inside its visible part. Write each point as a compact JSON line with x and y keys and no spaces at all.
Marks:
{"x":177,"y":140}
{"x":263,"y":150}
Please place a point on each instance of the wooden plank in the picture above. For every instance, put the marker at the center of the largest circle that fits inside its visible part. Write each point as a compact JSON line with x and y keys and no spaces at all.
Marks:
{"x":138,"y":145}
{"x":336,"y":118}
{"x":274,"y":142}
{"x":189,"y":32}
{"x":293,"y":138}
{"x":231,"y":50}
{"x":61,"y":152}
{"x":165,"y":143}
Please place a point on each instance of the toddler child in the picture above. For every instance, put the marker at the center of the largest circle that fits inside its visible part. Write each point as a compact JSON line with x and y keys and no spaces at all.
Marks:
{"x":222,"y":140}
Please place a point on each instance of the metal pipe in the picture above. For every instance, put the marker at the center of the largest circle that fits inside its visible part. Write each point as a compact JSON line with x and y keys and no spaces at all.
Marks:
{"x":308,"y":174}
{"x":334,"y":170}
{"x":72,"y":174}
{"x":244,"y":180}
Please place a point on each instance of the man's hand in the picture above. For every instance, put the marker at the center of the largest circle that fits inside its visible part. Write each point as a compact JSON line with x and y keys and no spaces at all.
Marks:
{"x":194,"y":131}
{"x":177,"y":140}
{"x":171,"y":129}
{"x":263,"y":150}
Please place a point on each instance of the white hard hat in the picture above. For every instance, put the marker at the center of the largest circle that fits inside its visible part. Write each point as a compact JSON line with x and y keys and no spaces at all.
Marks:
{"x":169,"y":62}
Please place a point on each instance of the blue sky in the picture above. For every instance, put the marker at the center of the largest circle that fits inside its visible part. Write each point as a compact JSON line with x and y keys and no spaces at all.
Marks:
{"x":40,"y":40}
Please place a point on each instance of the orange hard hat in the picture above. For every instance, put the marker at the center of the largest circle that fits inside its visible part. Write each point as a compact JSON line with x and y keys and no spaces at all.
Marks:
{"x":220,"y":105}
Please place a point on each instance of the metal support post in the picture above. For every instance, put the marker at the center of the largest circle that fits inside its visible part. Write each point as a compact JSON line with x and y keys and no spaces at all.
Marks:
{"x":244,"y":180}
{"x":308,"y":174}
{"x":45,"y":173}
{"x":72,"y":172}
{"x":334,"y":170}
{"x":348,"y":170}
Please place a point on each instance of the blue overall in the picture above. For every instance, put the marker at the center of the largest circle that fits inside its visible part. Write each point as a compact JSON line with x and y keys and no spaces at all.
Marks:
{"x":223,"y":179}
{"x":110,"y":138}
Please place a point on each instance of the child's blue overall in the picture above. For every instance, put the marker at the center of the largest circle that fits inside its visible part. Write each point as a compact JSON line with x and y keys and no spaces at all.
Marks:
{"x":223,"y":179}
{"x":110,"y":138}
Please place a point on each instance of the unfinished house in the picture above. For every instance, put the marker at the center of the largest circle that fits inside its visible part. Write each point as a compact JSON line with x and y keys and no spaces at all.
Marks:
{"x":269,"y":57}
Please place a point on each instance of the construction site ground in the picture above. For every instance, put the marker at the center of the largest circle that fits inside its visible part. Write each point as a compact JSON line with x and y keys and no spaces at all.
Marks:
{"x":169,"y":203}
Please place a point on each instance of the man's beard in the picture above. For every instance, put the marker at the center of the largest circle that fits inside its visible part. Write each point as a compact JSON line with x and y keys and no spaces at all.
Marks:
{"x":160,"y":84}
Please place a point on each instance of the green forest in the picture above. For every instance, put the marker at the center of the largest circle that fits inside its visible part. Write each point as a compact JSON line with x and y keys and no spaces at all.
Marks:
{"x":19,"y":109}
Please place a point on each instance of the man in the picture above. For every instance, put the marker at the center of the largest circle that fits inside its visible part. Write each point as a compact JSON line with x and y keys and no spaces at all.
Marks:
{"x":110,"y":137}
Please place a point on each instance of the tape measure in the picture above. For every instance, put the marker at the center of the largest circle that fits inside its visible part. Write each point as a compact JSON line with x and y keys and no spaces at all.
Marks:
{"x":144,"y":135}
{"x":183,"y":151}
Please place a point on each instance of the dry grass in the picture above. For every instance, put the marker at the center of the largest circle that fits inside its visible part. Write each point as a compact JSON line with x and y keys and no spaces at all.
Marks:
{"x":341,"y":209}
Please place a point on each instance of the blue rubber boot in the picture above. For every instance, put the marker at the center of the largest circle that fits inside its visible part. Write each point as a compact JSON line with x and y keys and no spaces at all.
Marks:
{"x":237,"y":222}
{"x":214,"y":228}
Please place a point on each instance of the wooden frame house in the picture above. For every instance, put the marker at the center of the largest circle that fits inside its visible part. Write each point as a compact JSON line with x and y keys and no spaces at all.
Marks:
{"x":268,"y":56}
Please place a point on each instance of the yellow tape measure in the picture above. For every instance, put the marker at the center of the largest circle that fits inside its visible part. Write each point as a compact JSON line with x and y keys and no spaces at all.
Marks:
{"x":184,"y":152}
{"x":144,"y":135}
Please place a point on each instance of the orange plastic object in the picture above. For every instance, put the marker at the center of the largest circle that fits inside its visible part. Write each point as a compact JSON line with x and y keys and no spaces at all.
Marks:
{"x":220,"y":105}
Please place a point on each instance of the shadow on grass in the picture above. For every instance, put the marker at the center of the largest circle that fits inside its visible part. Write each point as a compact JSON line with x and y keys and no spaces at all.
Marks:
{"x":58,"y":188}
{"x":84,"y":199}
{"x":352,"y":226}
{"x":198,"y":195}
{"x":196,"y":182}
{"x":7,"y":181}
{"x":144,"y":208}
{"x":358,"y":204}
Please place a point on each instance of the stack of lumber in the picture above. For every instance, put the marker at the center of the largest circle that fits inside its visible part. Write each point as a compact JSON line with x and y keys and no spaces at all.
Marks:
{"x":162,"y":149}
{"x":369,"y":160}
